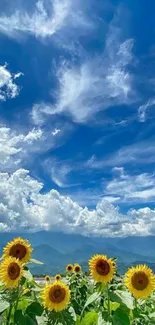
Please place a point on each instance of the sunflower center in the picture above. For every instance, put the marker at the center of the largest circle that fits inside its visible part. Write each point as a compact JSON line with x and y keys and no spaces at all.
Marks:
{"x":13,"y":271}
{"x":77,"y":269}
{"x":140,"y":281}
{"x":69,"y":268}
{"x":18,"y":251}
{"x":102,"y":267}
{"x":57,"y":294}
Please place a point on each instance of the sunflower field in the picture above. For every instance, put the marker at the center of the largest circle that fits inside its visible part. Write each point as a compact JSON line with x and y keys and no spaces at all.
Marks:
{"x":102,"y":297}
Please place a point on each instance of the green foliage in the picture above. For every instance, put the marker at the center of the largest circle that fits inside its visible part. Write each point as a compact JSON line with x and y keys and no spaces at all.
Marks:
{"x":90,"y":303}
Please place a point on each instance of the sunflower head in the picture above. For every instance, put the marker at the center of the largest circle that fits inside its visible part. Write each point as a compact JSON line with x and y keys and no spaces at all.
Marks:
{"x":69,"y":268}
{"x":102,"y":269}
{"x":56,"y":296}
{"x":47,"y":278}
{"x":57,"y":277}
{"x":140,"y":281}
{"x":77,"y":268}
{"x":11,"y":271}
{"x":19,"y":248}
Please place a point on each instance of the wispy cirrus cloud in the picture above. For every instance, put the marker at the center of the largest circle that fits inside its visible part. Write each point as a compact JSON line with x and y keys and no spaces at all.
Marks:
{"x":142,"y":110}
{"x":138,"y":153}
{"x":47,"y":19}
{"x":8,"y":88}
{"x":129,"y":188}
{"x":94,"y":85}
{"x":60,"y":171}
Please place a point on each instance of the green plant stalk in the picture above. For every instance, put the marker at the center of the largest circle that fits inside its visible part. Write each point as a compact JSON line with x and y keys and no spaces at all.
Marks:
{"x":9,"y":314}
{"x":16,"y":304}
{"x":108,"y":298}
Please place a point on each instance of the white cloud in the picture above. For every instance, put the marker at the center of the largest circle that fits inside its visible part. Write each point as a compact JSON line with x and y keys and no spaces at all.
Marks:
{"x":59,"y":172}
{"x":24,"y":207}
{"x":143,"y":109}
{"x":92,"y":86}
{"x":132,"y":188}
{"x":55,"y":131}
{"x":47,"y":19}
{"x":8,"y":89}
{"x":14,"y":146}
{"x":140,"y":152}
{"x":39,"y":23}
{"x":17,"y":149}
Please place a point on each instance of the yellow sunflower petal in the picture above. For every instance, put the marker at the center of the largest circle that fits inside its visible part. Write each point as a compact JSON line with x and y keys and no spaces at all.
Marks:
{"x":11,"y":271}
{"x":102,"y":269}
{"x":69,"y":268}
{"x":140,"y":281}
{"x":77,"y":268}
{"x":19,"y":248}
{"x":56,"y":296}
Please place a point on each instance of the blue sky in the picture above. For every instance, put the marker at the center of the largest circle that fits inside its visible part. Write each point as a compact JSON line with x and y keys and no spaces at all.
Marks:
{"x":77,"y":100}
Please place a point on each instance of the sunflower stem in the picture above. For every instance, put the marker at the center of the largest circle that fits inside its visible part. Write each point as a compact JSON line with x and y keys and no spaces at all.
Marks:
{"x":9,"y":314}
{"x":108,"y":297}
{"x":16,"y":304}
{"x":136,"y":306}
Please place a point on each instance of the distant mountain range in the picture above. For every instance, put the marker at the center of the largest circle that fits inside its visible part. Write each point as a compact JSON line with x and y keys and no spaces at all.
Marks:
{"x":56,"y":249}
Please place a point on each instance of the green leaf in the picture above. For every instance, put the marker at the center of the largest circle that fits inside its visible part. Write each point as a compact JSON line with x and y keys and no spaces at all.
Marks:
{"x":90,"y":318}
{"x":123,"y":297}
{"x":121,"y":317}
{"x":3,"y":305}
{"x":29,"y":321}
{"x":152,"y":315}
{"x":19,"y":318}
{"x":23,"y":303}
{"x":95,"y":296}
{"x":33,"y":260}
{"x":101,"y":321}
{"x":35,"y":309}
{"x":72,"y":312}
{"x":28,"y":275}
{"x":64,"y":317}
{"x":41,"y":320}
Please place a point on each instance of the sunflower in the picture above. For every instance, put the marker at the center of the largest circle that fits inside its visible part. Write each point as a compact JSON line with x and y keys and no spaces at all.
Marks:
{"x":102,"y":269}
{"x":77,"y":268}
{"x":47,"y":278}
{"x":19,"y":248}
{"x":56,"y":296}
{"x":140,"y":281}
{"x":69,"y":268}
{"x":58,"y":277}
{"x":11,"y":271}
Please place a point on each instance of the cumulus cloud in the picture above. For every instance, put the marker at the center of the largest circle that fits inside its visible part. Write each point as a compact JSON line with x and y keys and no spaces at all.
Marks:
{"x":8,"y":88}
{"x":14,"y":146}
{"x":17,"y":149}
{"x":23,"y":206}
{"x":45,"y":20}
